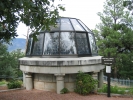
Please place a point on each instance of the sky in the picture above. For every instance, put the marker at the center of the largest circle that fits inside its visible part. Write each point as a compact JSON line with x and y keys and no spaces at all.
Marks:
{"x":85,"y":10}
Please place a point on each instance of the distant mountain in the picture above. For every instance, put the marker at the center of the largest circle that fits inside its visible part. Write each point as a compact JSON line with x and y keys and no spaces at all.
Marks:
{"x":17,"y":43}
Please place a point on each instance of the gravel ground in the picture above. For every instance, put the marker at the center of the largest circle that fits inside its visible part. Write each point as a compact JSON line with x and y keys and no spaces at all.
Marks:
{"x":48,"y":95}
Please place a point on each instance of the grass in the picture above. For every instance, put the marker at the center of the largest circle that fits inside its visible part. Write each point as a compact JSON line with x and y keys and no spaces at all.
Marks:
{"x":3,"y":82}
{"x":116,"y":90}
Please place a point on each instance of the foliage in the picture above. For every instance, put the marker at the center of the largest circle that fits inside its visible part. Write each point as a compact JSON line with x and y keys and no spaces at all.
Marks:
{"x":64,"y":90}
{"x":128,"y":4}
{"x":114,"y":35}
{"x":37,"y":14}
{"x":125,"y":71}
{"x":106,"y":32}
{"x":9,"y":64}
{"x":14,"y":84}
{"x":116,"y":90}
{"x":131,"y":91}
{"x":14,"y":62}
{"x":103,"y":89}
{"x":4,"y":56}
{"x":85,"y":84}
{"x":2,"y":82}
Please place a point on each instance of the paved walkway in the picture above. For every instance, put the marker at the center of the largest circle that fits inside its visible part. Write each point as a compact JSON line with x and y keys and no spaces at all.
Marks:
{"x":48,"y":95}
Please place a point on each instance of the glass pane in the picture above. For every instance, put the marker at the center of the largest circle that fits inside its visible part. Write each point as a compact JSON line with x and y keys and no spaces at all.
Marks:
{"x":28,"y":51}
{"x":65,"y":24}
{"x":38,"y":45}
{"x":82,"y":45}
{"x":86,"y":28}
{"x":76,"y":25}
{"x":92,"y":44}
{"x":56,"y":27}
{"x":51,"y":44}
{"x":67,"y":43}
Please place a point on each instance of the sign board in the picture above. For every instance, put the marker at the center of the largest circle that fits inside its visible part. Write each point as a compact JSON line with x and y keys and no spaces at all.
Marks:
{"x":108,"y":69}
{"x":108,"y":60}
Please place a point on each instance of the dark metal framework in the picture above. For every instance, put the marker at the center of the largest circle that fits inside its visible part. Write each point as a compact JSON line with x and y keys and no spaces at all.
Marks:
{"x":71,"y":37}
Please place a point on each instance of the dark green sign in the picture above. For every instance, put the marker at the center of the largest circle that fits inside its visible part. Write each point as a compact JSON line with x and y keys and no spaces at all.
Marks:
{"x":108,"y":60}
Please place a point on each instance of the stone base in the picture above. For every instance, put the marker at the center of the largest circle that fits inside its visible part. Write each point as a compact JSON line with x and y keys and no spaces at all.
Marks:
{"x":53,"y":74}
{"x":47,"y":82}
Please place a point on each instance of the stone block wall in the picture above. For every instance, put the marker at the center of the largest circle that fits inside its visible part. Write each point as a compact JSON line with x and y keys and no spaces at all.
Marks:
{"x":47,"y":82}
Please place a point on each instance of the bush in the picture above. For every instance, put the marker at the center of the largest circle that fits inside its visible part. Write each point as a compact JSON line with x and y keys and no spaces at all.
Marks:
{"x":103,"y":89}
{"x":14,"y":84}
{"x":131,"y":91}
{"x":85,"y":84}
{"x":2,"y":82}
{"x":113,"y":89}
{"x":64,"y":90}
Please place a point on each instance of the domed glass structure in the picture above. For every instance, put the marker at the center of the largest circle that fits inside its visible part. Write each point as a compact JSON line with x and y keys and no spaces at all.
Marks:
{"x":70,"y":37}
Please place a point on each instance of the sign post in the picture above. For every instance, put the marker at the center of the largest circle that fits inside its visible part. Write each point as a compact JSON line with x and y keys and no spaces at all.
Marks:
{"x":108,"y":71}
{"x":108,"y":61}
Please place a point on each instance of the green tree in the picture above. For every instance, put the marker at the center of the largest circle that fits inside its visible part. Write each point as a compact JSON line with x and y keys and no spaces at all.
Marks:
{"x":3,"y":58}
{"x":126,"y":69}
{"x":37,"y":14}
{"x":125,"y":53}
{"x":128,"y":4}
{"x":9,"y":64}
{"x":114,"y":32}
{"x":14,"y":62}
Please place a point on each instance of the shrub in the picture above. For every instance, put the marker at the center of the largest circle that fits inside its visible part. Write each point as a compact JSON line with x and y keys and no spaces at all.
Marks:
{"x":131,"y":91}
{"x":64,"y":90}
{"x":2,"y":82}
{"x":103,"y":89}
{"x":113,"y":89}
{"x":85,"y":84}
{"x":14,"y":84}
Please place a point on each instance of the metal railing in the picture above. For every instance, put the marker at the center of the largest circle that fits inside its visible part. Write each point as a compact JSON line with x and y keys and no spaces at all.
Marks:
{"x":120,"y":82}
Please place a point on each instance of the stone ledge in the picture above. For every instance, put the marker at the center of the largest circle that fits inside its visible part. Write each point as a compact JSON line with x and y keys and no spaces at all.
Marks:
{"x":60,"y":61}
{"x":62,"y":70}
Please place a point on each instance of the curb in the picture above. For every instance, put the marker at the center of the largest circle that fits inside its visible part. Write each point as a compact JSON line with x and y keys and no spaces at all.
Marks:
{"x":117,"y":95}
{"x":12,"y":89}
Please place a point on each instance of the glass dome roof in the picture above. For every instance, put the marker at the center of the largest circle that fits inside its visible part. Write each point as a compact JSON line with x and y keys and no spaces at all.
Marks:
{"x":70,"y":37}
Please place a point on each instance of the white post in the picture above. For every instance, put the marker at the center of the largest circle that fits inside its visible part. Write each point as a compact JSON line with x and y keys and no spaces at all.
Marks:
{"x":28,"y":81}
{"x":59,"y":82}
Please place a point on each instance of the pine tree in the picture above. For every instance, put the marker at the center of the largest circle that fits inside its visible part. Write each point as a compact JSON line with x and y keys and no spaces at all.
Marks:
{"x":114,"y":34}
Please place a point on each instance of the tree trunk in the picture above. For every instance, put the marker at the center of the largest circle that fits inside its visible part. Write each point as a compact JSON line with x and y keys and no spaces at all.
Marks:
{"x":115,"y":72}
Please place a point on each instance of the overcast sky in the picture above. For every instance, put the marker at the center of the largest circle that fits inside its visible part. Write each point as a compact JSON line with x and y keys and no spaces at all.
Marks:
{"x":85,"y":10}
